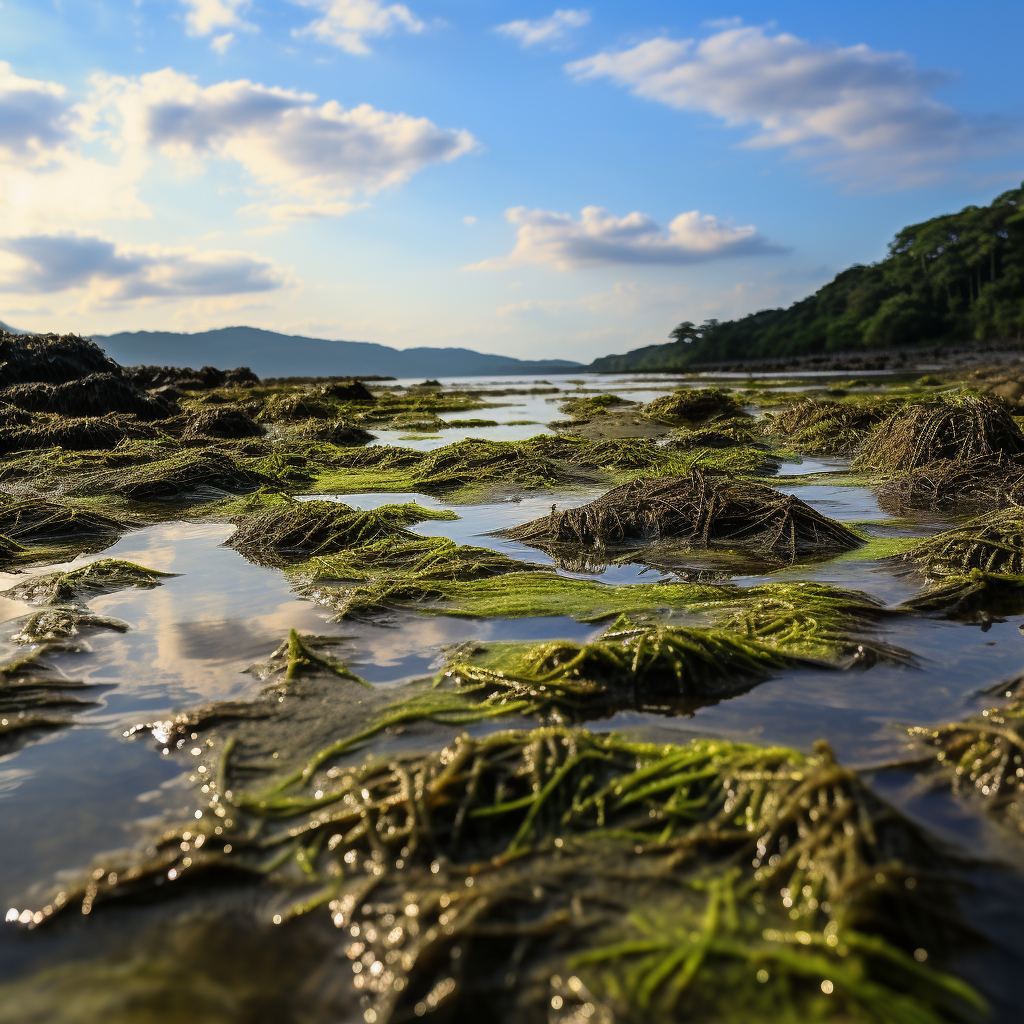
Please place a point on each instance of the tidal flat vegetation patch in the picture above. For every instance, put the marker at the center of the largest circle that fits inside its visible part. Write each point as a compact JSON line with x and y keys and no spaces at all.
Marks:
{"x":711,"y":881}
{"x":700,"y":510}
{"x":694,"y":405}
{"x":292,"y":531}
{"x":993,"y":543}
{"x":960,"y":427}
{"x":822,"y":427}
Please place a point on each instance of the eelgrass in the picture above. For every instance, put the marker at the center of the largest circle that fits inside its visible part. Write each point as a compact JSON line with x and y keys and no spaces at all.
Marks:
{"x":75,"y":433}
{"x":953,"y":485}
{"x":193,"y":473}
{"x":823,"y":427}
{"x":104,"y":576}
{"x":222,"y":421}
{"x":700,"y":511}
{"x":993,"y":543}
{"x":711,"y":881}
{"x":36,"y":520}
{"x":973,"y":596}
{"x":649,"y":666}
{"x":696,"y":405}
{"x":582,"y":408}
{"x":297,"y":657}
{"x":33,"y":698}
{"x":292,"y":531}
{"x":960,"y":427}
{"x":984,"y":756}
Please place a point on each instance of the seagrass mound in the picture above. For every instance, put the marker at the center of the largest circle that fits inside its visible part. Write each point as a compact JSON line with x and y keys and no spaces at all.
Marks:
{"x":947,"y":485}
{"x":960,"y":427}
{"x":187,"y":379}
{"x":80,"y":433}
{"x":293,"y":531}
{"x":227,"y":421}
{"x":698,"y":510}
{"x":296,"y":406}
{"x":993,"y":543}
{"x":825,"y":427}
{"x":94,"y":395}
{"x":346,"y":391}
{"x":190,"y":474}
{"x":695,"y":405}
{"x":35,"y":520}
{"x":50,"y":358}
{"x":339,"y":432}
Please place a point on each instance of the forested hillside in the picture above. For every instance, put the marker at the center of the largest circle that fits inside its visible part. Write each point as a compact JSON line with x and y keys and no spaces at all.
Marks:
{"x":952,"y":278}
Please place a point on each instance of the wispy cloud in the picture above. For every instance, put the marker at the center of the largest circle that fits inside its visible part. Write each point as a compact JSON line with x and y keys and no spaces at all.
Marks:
{"x":205,"y":17}
{"x":113,"y":273}
{"x":862,"y":114}
{"x":599,"y":237}
{"x":549,"y":30}
{"x":347,"y":24}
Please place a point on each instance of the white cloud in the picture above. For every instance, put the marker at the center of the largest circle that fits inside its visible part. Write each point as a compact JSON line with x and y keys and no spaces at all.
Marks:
{"x":283,"y":139}
{"x":600,"y":237}
{"x":551,"y":29}
{"x":206,"y":16}
{"x":45,"y":180}
{"x":114,"y":273}
{"x":862,"y":113}
{"x":221,"y":43}
{"x":347,"y":23}
{"x":34,"y":117}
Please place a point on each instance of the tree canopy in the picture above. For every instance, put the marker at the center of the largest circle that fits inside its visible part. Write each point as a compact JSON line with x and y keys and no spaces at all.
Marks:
{"x":949,"y":279}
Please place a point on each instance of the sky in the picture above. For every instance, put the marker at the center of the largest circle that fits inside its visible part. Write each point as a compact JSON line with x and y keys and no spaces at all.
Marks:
{"x":510,"y":177}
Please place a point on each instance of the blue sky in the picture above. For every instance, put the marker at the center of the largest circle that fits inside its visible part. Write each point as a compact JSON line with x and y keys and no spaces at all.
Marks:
{"x":510,"y":177}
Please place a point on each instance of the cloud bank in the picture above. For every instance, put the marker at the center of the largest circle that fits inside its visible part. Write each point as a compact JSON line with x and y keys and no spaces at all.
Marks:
{"x":551,"y":29}
{"x":113,"y":273}
{"x":862,"y":114}
{"x":599,"y":237}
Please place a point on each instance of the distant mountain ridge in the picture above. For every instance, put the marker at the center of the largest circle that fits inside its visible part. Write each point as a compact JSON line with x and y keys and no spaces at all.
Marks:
{"x":270,"y":354}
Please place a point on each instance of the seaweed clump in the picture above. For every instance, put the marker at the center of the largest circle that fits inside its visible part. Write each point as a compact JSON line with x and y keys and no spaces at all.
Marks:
{"x":226,"y":421}
{"x":698,"y":510}
{"x":960,"y":428}
{"x":644,"y":666}
{"x":35,"y":520}
{"x":293,"y":531}
{"x":827,"y":428}
{"x":518,"y":872}
{"x":582,"y":408}
{"x":104,"y":576}
{"x":191,"y":473}
{"x":337,"y":431}
{"x":954,"y":485}
{"x":993,"y":543}
{"x":95,"y":395}
{"x":984,"y":756}
{"x":695,"y":405}
{"x":50,"y":358}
